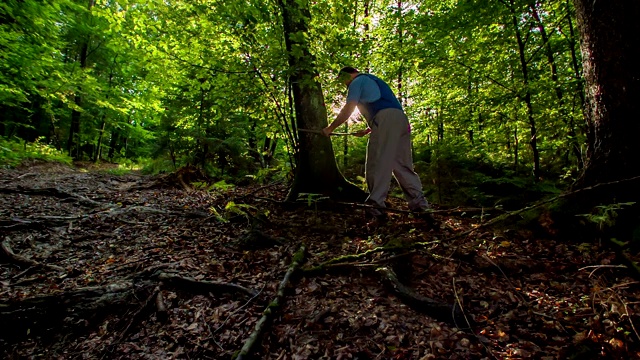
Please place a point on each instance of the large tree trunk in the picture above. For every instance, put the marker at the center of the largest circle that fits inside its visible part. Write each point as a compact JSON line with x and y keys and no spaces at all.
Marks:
{"x":317,"y":170}
{"x":609,"y":32}
{"x":611,"y":175}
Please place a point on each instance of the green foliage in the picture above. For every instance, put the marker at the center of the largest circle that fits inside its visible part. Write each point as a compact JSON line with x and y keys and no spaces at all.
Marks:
{"x":454,"y":177}
{"x":159,"y":165}
{"x":118,"y":171}
{"x":181,"y":83}
{"x":15,"y":151}
{"x":312,"y":199}
{"x":605,"y":215}
{"x":238,"y":209}
{"x":223,"y":186}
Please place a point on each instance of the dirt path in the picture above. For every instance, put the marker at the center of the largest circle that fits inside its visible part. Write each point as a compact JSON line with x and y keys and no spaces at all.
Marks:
{"x":93,"y":251}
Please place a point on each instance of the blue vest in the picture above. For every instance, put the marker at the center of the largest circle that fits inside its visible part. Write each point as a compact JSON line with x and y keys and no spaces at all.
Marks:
{"x":387,"y":99}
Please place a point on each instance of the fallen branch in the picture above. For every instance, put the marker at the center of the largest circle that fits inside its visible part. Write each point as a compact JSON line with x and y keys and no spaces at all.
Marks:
{"x":546,"y":201}
{"x":435,"y":309}
{"x":258,"y":190}
{"x":353,"y":265}
{"x":297,"y":260}
{"x":236,"y":310}
{"x":51,"y":220}
{"x":149,"y":210}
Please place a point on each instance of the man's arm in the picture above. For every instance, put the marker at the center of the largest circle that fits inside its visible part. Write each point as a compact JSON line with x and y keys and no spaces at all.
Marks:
{"x":343,"y":116}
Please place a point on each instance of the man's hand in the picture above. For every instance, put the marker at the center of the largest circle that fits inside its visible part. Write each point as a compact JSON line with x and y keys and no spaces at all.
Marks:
{"x":361,"y":133}
{"x":327,"y":131}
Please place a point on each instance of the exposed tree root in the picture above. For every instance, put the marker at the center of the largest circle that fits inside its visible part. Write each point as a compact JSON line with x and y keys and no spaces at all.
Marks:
{"x":64,"y":311}
{"x":202,"y":286}
{"x":42,"y":222}
{"x":13,"y":258}
{"x":249,"y":344}
{"x":83,"y":306}
{"x":435,"y":309}
{"x":51,"y":191}
{"x":181,"y":179}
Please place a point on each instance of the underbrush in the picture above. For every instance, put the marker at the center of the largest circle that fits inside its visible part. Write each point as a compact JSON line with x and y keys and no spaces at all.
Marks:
{"x":14,"y":151}
{"x":456,"y":178}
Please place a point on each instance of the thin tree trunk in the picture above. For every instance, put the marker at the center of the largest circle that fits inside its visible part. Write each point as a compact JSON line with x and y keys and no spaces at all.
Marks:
{"x":515,"y":149}
{"x":533,"y":141}
{"x":98,"y":153}
{"x":566,"y":118}
{"x":73,"y":143}
{"x":399,"y":33}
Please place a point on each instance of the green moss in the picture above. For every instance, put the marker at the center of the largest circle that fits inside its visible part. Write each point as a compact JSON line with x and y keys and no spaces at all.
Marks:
{"x":273,"y":305}
{"x":298,"y":257}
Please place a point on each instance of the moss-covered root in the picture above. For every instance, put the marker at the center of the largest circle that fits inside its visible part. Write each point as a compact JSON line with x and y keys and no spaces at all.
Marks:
{"x":296,"y":262}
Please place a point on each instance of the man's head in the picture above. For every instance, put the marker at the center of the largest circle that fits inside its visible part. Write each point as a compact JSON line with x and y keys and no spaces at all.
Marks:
{"x":347,"y":74}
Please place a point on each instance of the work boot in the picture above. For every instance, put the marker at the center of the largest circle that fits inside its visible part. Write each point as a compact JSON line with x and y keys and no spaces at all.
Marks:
{"x":426,"y":216}
{"x":376,"y":220}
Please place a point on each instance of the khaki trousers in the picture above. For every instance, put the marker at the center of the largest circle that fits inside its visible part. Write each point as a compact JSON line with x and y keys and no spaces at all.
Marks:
{"x":389,"y":154}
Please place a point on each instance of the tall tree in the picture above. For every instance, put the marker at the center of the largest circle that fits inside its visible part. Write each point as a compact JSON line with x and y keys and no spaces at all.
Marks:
{"x":317,"y":170}
{"x":526,"y":97}
{"x":73,"y":146}
{"x":609,"y":33}
{"x":565,"y":116}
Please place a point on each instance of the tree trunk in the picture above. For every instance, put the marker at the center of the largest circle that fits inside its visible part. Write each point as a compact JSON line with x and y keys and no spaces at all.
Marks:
{"x":113,"y":143}
{"x":566,"y":118}
{"x":73,"y":144}
{"x":533,"y":141}
{"x":316,"y":170}
{"x":609,"y":32}
{"x":98,"y":154}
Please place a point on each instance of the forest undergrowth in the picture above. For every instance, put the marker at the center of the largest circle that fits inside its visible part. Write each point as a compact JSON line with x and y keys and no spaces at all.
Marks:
{"x":102,"y":266}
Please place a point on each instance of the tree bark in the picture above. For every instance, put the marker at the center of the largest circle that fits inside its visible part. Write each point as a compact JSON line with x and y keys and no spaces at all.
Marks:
{"x":316,"y":170}
{"x":609,"y":33}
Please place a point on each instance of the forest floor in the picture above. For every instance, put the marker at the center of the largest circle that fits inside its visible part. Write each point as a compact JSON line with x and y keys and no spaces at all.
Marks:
{"x":101,"y":266}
